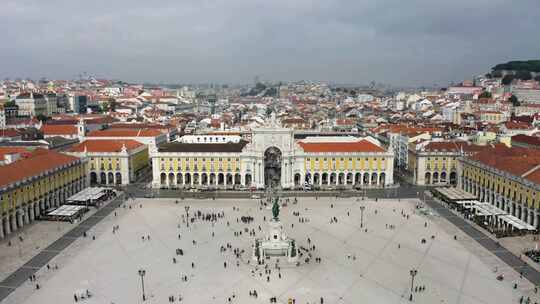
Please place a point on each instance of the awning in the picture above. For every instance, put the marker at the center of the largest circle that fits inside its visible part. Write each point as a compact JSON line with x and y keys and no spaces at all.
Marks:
{"x":516,"y":222}
{"x":66,"y":210}
{"x":486,"y":209}
{"x":456,"y":194}
{"x":88,"y":194}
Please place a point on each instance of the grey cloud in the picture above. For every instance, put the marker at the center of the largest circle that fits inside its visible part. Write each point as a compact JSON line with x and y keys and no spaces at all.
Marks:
{"x":415,"y":42}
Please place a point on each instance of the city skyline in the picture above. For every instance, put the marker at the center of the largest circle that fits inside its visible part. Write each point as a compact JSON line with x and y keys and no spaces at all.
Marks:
{"x":403,"y":44}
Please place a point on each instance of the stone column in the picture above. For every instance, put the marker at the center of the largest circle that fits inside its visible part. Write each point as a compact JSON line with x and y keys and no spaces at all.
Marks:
{"x":20,"y":221}
{"x":32,"y":215}
{"x":13,"y":222}
{"x":261,"y":175}
{"x":7,"y":229}
{"x":26,"y":215}
{"x":1,"y":229}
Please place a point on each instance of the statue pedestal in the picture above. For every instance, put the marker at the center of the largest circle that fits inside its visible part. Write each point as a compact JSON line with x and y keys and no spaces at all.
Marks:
{"x":275,"y":244}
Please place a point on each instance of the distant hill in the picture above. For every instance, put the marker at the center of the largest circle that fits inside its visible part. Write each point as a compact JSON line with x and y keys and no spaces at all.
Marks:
{"x":528,"y":65}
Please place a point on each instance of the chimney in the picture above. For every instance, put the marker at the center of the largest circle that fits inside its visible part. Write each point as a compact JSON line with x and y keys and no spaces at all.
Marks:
{"x":11,"y":158}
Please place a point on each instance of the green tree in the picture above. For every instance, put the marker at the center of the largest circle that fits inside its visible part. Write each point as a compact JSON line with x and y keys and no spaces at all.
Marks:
{"x":110,"y":105}
{"x":10,"y":104}
{"x":527,"y":65}
{"x":42,"y":118}
{"x":496,"y":74}
{"x":268,"y":111}
{"x":523,"y":75}
{"x":515,"y":102}
{"x":272,"y":92}
{"x":507,"y":79}
{"x":485,"y":94}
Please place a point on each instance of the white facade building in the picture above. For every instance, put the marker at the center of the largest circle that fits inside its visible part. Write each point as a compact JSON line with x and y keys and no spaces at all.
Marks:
{"x":273,"y":158}
{"x":31,"y":104}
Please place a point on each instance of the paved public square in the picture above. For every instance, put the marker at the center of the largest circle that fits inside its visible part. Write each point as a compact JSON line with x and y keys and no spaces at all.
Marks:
{"x":357,"y":266}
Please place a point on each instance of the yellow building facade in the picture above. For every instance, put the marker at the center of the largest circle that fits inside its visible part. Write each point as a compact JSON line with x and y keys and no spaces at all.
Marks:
{"x":435,"y":162}
{"x":30,"y":186}
{"x":112,"y":162}
{"x":507,"y":178}
{"x":273,"y":158}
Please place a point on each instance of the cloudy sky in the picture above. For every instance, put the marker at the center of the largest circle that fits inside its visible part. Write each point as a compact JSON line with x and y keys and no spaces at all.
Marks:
{"x":412,"y":42}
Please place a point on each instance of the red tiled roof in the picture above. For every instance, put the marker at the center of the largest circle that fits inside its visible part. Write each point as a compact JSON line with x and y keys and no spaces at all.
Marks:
{"x":530,"y":140}
{"x":99,"y":120}
{"x":453,"y":146}
{"x":515,"y":125}
{"x":215,"y":123}
{"x":105,"y":145}
{"x":124,"y":133}
{"x":516,"y":160}
{"x":58,"y":129}
{"x":40,"y":161}
{"x":359,"y":146}
{"x":9,"y":133}
{"x":344,"y":122}
{"x":9,"y":150}
{"x":141,"y":126}
{"x":402,"y":128}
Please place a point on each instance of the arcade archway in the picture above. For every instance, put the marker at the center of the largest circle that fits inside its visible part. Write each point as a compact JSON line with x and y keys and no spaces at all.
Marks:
{"x":272,"y":167}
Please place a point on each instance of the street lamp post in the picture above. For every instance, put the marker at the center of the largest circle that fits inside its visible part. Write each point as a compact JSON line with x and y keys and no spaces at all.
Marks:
{"x":142,"y":273}
{"x":362,"y":208}
{"x":413,"y":273}
{"x":187,"y":215}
